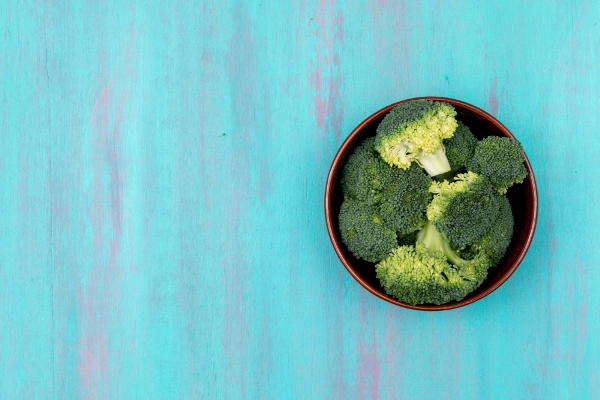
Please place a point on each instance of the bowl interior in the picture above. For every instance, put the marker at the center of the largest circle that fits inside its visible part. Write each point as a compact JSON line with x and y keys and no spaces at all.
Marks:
{"x":522,"y":197}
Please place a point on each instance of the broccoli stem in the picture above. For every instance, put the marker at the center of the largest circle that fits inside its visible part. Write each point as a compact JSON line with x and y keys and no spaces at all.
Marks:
{"x":435,"y":241}
{"x":436,"y":163}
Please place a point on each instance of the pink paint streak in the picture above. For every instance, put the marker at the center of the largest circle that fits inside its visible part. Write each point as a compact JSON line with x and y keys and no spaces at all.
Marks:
{"x":316,"y":80}
{"x":368,"y":365}
{"x":367,"y":372}
{"x":321,"y":111}
{"x":264,"y":182}
{"x":493,"y":99}
{"x":392,"y":17}
{"x":325,"y":77}
{"x":97,"y":295}
{"x":393,"y":354}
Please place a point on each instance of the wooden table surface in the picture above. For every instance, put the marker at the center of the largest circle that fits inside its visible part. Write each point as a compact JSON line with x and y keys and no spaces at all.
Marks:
{"x":162,"y":172}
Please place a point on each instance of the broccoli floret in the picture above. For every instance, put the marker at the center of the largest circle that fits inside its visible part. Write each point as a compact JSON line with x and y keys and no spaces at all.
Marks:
{"x":430,"y":271}
{"x":497,"y":239}
{"x":365,"y":174}
{"x":406,"y":199}
{"x":401,"y":196}
{"x":414,"y":276}
{"x":464,"y":209}
{"x":413,"y":131}
{"x":500,"y":160}
{"x":363,"y":231}
{"x":460,"y":147}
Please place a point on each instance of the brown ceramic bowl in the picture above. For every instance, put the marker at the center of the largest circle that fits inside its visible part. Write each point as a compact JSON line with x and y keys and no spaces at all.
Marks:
{"x":522,"y":197}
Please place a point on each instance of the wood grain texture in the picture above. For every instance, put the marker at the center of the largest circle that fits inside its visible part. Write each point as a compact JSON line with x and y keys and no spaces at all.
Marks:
{"x":162,"y":169}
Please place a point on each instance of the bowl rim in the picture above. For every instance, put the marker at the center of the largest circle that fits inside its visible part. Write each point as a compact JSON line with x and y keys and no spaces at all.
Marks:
{"x":330,"y":185}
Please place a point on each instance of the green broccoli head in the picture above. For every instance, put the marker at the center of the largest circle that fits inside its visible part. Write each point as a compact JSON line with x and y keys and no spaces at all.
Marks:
{"x":365,"y":174}
{"x":406,"y":199}
{"x":430,"y":271}
{"x":464,"y":209}
{"x":401,"y":196}
{"x":363,"y":231}
{"x":413,"y":131}
{"x":497,"y":238}
{"x":460,"y":147}
{"x":413,"y":275}
{"x":500,"y":160}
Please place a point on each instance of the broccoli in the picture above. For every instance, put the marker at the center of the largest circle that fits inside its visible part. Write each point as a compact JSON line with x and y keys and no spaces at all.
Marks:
{"x":411,"y":238}
{"x":464,"y":209}
{"x":401,"y":196}
{"x":413,"y":131}
{"x":500,"y":160}
{"x":365,"y":174}
{"x":363,"y":231}
{"x":460,"y":147}
{"x":430,"y":271}
{"x":497,"y":238}
{"x":406,"y":199}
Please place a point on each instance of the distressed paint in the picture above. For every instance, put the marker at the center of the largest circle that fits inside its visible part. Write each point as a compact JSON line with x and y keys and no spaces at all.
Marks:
{"x":162,"y":172}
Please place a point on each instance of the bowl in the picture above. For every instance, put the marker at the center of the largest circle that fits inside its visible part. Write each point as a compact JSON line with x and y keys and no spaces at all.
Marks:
{"x":523,"y":199}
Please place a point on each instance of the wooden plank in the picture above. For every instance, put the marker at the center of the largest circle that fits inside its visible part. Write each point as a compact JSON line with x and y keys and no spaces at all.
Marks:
{"x":26,"y":336}
{"x":162,"y":175}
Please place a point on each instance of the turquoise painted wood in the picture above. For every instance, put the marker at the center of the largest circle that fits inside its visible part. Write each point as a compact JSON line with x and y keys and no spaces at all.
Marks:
{"x":162,"y":171}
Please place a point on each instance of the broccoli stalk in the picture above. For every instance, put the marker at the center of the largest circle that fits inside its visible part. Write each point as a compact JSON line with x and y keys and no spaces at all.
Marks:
{"x":464,"y":209}
{"x":413,"y":131}
{"x":434,"y":164}
{"x":430,"y":271}
{"x":436,"y":242}
{"x":474,"y":271}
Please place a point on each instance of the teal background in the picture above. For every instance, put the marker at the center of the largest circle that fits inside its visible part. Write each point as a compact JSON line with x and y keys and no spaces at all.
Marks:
{"x":162,"y":172}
